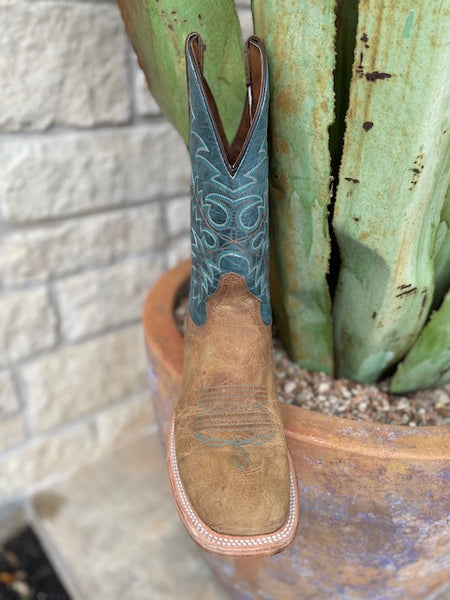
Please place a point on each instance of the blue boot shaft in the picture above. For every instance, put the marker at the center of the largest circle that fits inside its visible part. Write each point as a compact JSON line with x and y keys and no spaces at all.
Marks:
{"x":229,"y":185}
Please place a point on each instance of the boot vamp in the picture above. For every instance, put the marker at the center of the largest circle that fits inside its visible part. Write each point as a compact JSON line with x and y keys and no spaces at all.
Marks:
{"x":230,"y":443}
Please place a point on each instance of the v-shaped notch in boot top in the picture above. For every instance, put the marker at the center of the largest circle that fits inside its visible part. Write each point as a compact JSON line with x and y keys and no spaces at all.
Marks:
{"x":255,"y":104}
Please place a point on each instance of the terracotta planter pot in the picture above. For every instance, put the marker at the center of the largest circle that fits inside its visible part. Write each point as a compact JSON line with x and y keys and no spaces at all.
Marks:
{"x":374,"y":499}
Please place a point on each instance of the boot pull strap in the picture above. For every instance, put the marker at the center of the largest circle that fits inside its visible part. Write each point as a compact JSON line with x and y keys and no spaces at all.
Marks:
{"x":195,"y":42}
{"x":254,"y":65}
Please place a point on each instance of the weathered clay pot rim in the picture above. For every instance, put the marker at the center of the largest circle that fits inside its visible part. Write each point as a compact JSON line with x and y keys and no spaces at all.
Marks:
{"x":367,"y":438}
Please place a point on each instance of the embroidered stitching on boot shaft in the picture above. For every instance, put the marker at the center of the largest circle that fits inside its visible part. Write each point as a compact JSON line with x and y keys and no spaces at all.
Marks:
{"x":229,"y":211}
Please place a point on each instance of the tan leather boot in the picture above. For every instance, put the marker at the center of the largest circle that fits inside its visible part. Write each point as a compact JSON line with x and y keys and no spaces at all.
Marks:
{"x":229,"y":466}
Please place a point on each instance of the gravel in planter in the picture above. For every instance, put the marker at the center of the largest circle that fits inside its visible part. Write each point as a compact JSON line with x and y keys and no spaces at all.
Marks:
{"x":349,"y":399}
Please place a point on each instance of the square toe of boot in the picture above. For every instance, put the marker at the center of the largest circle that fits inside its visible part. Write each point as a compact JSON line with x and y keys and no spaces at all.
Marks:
{"x":250,"y":502}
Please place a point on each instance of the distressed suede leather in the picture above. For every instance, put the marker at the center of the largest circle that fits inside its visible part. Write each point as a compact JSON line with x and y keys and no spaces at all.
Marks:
{"x":230,"y":446}
{"x":230,"y":443}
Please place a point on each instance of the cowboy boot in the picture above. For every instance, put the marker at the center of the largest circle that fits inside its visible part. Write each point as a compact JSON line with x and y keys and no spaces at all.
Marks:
{"x":229,"y":467}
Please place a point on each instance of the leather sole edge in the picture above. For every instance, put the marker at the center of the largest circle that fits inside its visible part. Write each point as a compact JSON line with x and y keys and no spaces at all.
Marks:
{"x":223,"y":544}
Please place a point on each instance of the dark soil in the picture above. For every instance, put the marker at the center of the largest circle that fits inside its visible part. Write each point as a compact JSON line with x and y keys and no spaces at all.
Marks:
{"x":25,"y":571}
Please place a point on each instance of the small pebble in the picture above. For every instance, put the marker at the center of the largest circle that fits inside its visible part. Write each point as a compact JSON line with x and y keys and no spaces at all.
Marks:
{"x":323,"y":387}
{"x":21,"y":588}
{"x":289,"y":387}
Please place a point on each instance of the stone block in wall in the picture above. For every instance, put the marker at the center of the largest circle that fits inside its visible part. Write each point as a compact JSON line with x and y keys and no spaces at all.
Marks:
{"x":178,"y":250}
{"x":98,"y":300}
{"x":246,"y":21}
{"x":27,"y":324}
{"x":62,"y":63}
{"x":80,"y":379}
{"x":145,"y":104}
{"x":44,"y":457}
{"x":177,"y":214}
{"x":69,"y":173}
{"x":64,"y":451}
{"x":122,"y":421}
{"x":59,"y":249}
{"x":12,"y":432}
{"x":8,"y":399}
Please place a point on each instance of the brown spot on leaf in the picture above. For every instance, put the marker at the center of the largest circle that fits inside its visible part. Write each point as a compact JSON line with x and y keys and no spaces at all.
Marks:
{"x":352,"y":179}
{"x":374,"y":314}
{"x":424,"y":300}
{"x":284,"y":102}
{"x":367,"y":125}
{"x":417,"y":170}
{"x":284,"y":146}
{"x":364,"y":235}
{"x":407,"y":292}
{"x":360,"y":68}
{"x":374,"y":75}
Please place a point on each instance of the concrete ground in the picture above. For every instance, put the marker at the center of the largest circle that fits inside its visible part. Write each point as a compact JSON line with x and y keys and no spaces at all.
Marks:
{"x":112,"y":531}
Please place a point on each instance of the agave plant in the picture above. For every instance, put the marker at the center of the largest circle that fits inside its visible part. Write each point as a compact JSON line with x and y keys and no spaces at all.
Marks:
{"x":359,"y":168}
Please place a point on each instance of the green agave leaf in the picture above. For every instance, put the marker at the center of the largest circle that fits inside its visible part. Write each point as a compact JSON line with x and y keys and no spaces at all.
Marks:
{"x":393,"y":179}
{"x":158,"y":30}
{"x":299,"y":40}
{"x":442,"y":254}
{"x":428,"y":362}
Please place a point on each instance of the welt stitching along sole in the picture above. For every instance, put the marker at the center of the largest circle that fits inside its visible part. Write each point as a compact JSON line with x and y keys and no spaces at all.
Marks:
{"x":229,"y":544}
